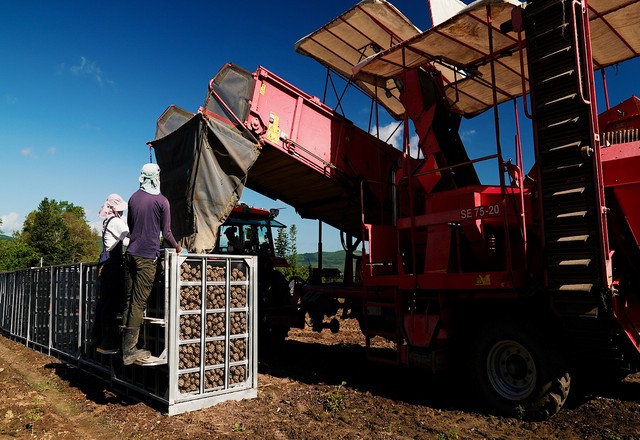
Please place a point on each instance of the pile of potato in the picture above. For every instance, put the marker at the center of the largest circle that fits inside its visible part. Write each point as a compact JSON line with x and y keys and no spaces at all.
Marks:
{"x":189,"y":382}
{"x":237,"y":275}
{"x":214,"y":353}
{"x":237,"y":374}
{"x":238,"y":296}
{"x":190,"y":271}
{"x":214,"y":378}
{"x":238,"y":322}
{"x":216,"y":297}
{"x":215,"y":324}
{"x":238,"y":349}
{"x":215,"y":272}
{"x":189,"y":356}
{"x":190,"y":327}
{"x":190,"y":298}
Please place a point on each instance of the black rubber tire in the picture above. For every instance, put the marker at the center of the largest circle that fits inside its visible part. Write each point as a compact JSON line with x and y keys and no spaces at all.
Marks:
{"x":274,"y":301}
{"x":517,"y":373}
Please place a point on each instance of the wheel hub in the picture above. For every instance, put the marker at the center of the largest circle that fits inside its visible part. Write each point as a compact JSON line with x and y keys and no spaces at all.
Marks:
{"x":511,"y":370}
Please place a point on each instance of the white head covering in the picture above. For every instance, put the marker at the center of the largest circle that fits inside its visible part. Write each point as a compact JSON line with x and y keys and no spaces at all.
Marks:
{"x":112,"y":206}
{"x":150,"y":178}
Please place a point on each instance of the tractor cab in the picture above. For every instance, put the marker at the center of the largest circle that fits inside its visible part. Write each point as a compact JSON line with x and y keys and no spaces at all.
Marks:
{"x":249,"y":231}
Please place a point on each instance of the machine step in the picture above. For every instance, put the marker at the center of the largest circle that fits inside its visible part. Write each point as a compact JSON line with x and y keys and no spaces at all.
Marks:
{"x":576,"y":287}
{"x":561,"y":100}
{"x":581,"y":262}
{"x":582,"y":238}
{"x":557,"y":76}
{"x":562,"y":52}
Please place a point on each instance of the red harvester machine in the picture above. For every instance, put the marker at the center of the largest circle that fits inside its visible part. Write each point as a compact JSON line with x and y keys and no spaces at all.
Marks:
{"x":527,"y":283}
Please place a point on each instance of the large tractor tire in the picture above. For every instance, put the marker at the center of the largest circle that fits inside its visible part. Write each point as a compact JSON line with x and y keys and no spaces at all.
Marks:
{"x":274,"y":309}
{"x":517,"y":374}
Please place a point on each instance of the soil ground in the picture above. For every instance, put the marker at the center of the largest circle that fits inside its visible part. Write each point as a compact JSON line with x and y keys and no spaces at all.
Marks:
{"x":319,"y":386}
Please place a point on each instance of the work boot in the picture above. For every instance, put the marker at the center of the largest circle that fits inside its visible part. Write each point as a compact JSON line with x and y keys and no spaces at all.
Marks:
{"x":130,"y":353}
{"x":110,"y":343}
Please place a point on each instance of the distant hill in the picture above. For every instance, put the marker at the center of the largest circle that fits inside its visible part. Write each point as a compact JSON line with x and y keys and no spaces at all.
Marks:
{"x":329,"y":259}
{"x":5,"y":237}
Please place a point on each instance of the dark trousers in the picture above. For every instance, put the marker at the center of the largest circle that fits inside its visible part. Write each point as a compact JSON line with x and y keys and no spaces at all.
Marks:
{"x":140,"y":275}
{"x":111,"y":296}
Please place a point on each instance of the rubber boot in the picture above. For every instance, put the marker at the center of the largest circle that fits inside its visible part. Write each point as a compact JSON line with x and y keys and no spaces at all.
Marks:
{"x":110,"y":343}
{"x":130,"y":353}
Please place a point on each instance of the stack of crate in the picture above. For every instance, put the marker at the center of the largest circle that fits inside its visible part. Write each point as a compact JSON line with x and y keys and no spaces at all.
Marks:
{"x":200,"y":325}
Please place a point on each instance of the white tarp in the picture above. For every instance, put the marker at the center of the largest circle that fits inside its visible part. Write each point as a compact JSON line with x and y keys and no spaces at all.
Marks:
{"x":462,"y":42}
{"x":364,"y":30}
{"x":442,"y":10}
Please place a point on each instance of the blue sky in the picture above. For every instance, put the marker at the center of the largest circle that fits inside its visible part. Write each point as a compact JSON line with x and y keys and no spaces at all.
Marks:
{"x":82,"y":84}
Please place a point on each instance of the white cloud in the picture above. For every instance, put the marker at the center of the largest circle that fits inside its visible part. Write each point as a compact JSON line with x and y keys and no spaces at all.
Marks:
{"x":28,"y":152}
{"x":10,"y":223}
{"x":387,"y":132}
{"x":10,"y":99}
{"x":467,"y":135}
{"x":395,"y":137}
{"x":31,"y":153}
{"x":413,"y":142}
{"x":91,"y":69}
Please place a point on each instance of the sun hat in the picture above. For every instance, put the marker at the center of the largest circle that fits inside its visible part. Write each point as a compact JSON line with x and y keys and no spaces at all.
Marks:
{"x":148,"y":179}
{"x":114,"y":204}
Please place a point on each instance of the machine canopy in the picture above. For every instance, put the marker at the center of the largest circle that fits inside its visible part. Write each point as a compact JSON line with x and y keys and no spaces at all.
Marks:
{"x":459,"y":49}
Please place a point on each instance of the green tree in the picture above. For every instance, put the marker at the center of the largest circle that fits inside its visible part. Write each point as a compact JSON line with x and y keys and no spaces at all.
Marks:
{"x":84,"y":243}
{"x":292,"y":258}
{"x":15,"y":254}
{"x":44,"y":230}
{"x":281,"y":243}
{"x":59,"y":233}
{"x":287,"y":246}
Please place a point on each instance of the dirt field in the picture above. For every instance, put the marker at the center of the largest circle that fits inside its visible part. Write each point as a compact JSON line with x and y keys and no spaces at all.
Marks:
{"x":318,"y":387}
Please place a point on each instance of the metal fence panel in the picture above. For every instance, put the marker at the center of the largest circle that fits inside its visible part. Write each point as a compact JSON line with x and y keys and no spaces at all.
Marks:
{"x":65,"y":335}
{"x":7,"y":293}
{"x":41,"y":308}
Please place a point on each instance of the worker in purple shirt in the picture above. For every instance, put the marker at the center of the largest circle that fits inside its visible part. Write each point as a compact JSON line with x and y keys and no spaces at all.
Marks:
{"x":149,"y":215}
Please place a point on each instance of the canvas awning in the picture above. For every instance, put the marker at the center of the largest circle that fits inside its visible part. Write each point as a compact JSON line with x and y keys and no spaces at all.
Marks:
{"x":459,"y":48}
{"x":615,"y":33}
{"x":364,"y":30}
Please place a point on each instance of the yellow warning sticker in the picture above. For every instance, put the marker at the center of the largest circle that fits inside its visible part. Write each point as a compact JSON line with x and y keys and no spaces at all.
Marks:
{"x":273,"y":132}
{"x":483,"y":280}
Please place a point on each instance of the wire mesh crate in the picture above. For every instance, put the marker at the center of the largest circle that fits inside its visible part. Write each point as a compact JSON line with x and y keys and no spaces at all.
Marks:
{"x":214,"y":310}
